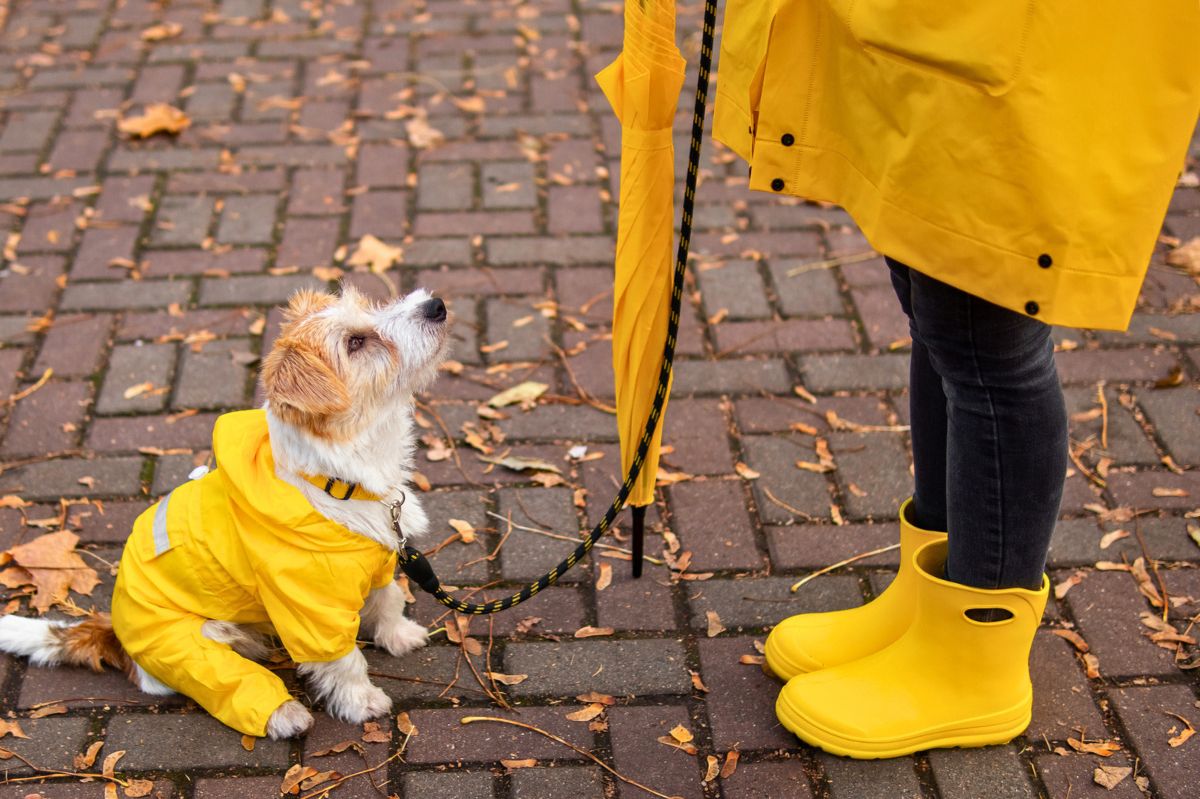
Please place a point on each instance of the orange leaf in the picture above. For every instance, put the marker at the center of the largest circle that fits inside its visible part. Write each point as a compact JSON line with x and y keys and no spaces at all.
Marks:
{"x":157,"y":118}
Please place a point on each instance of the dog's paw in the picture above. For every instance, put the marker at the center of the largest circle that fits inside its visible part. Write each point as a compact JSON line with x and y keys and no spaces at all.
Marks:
{"x":359,"y":703}
{"x":289,"y":720}
{"x":400,"y":636}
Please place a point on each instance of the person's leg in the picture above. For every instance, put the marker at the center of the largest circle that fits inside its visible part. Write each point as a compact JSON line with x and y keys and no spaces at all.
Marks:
{"x":927,"y":417}
{"x":1006,"y":452}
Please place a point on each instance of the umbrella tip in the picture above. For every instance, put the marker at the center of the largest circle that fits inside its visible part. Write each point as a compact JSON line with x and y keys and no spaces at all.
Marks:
{"x":639,"y":535}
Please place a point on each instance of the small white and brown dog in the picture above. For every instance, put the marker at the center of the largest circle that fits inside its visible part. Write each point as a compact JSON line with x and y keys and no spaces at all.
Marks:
{"x":339,"y":384}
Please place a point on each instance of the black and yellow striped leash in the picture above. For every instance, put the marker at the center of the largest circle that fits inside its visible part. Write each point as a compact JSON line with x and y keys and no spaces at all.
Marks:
{"x":414,"y":564}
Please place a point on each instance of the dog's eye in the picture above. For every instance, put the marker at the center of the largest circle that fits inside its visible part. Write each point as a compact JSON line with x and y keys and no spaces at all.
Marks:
{"x":355,"y":343}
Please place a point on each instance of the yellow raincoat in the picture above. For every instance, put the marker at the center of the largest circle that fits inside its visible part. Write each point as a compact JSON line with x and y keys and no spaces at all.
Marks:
{"x":1024,"y":152}
{"x":240,"y":545}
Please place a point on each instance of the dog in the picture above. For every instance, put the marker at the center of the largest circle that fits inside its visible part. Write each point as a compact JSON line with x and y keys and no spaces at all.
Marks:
{"x":290,"y":535}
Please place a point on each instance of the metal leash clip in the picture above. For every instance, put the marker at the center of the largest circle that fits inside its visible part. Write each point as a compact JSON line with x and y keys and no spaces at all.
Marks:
{"x":394,"y":507}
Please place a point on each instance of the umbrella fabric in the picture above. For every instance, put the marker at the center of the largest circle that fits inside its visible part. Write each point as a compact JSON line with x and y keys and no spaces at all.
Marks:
{"x":642,"y":86}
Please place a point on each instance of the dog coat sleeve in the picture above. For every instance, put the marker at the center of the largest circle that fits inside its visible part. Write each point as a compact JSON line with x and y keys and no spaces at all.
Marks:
{"x":313,"y":600}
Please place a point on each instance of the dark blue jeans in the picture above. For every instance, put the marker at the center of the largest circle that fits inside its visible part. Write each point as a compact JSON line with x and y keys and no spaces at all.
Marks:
{"x":989,"y":431}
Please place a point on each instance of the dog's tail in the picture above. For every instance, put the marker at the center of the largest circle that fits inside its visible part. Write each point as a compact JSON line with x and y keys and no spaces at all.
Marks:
{"x":90,"y":642}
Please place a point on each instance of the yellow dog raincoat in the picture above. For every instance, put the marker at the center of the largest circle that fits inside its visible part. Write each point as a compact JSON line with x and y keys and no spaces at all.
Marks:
{"x":243,"y":546}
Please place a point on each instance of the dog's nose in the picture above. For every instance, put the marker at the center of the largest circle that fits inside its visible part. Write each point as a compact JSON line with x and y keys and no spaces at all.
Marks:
{"x":434,"y":310}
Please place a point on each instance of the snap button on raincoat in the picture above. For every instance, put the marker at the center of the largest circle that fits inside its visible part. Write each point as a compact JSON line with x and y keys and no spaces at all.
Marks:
{"x":240,"y":545}
{"x":1024,"y":152}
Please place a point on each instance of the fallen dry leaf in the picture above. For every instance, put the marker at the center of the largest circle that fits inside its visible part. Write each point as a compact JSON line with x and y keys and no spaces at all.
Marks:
{"x":682,"y":734}
{"x":1100,"y":748}
{"x":422,"y":135}
{"x":318,"y":778}
{"x":166,"y":30}
{"x":713,"y":768}
{"x":48,"y":710}
{"x":464,"y":529}
{"x":248,"y":742}
{"x":1187,"y":732}
{"x":528,"y":762}
{"x":373,"y":734}
{"x":745,"y":472}
{"x":1066,"y":584}
{"x":751,"y":660}
{"x":375,"y":255}
{"x":593,"y":632}
{"x":586,"y":714}
{"x":1108,"y":538}
{"x":595,"y":697}
{"x":508,"y":679}
{"x":294,"y":776}
{"x":338,"y":748}
{"x":698,"y":683}
{"x":715,"y":627}
{"x":686,"y":748}
{"x":1091,"y":665}
{"x":13,"y":501}
{"x":731,"y":764}
{"x":604,"y":578}
{"x":12,"y":728}
{"x":50,"y":564}
{"x":1110,"y":776}
{"x":138,"y":390}
{"x":519,"y":463}
{"x":157,"y":118}
{"x":405,"y":725}
{"x":1186,"y":256}
{"x":521,"y":393}
{"x":88,"y":758}
{"x":1075,"y":638}
{"x":137,"y":788}
{"x":1145,"y":583}
{"x":1168,"y":492}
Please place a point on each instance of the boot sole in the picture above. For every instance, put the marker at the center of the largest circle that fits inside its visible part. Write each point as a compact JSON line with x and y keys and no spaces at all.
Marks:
{"x":1000,"y":729}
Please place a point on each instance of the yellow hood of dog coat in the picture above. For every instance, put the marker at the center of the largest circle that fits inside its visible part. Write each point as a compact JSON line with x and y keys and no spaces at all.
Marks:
{"x":241,"y":545}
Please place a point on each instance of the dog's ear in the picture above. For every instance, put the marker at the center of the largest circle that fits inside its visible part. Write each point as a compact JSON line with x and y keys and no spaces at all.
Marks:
{"x":306,"y":301}
{"x":296,"y":380}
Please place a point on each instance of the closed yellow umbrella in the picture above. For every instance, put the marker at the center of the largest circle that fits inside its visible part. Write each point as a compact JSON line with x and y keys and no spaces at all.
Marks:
{"x":643,"y":86}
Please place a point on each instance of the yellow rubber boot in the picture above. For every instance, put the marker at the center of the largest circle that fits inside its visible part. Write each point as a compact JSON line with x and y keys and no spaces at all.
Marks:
{"x":948,"y":681}
{"x":814,"y":641}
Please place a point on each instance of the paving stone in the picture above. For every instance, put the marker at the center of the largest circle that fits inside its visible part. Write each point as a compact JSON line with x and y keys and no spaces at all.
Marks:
{"x":449,"y":784}
{"x":1156,"y":489}
{"x":124,"y":294}
{"x":523,"y":327}
{"x":741,"y":698}
{"x":119,"y":433}
{"x":792,"y":488}
{"x":182,"y":220}
{"x":736,"y":287}
{"x":634,"y":732}
{"x":508,"y":185}
{"x":765,"y":601}
{"x":61,"y":478}
{"x":711,"y":521}
{"x":49,"y":227}
{"x":612,"y":667}
{"x":380,"y":213}
{"x":130,"y":367}
{"x":49,"y":420}
{"x":1107,"y":606}
{"x":744,"y":338}
{"x":1143,"y":712}
{"x":247,"y":220}
{"x":105,"y":253}
{"x":1074,"y":776}
{"x":1062,"y":701}
{"x":528,"y":250}
{"x":33,"y":290}
{"x":254,"y":289}
{"x":52,"y":744}
{"x":814,"y":546}
{"x":1174,"y":415}
{"x":579,"y":423}
{"x":1126,"y":441}
{"x":629,"y":604}
{"x":95,"y":790}
{"x":871,"y":779}
{"x":444,"y":739}
{"x":786,"y":780}
{"x":526,"y":556}
{"x":574,"y":209}
{"x":216,"y":377}
{"x":850,"y":372}
{"x":731,"y":377}
{"x":237,"y":787}
{"x":193,"y":740}
{"x":876,"y":464}
{"x":197,"y":262}
{"x":993,"y":772}
{"x":84,"y":688}
{"x":113,"y":525}
{"x":574,"y":781}
{"x":697,"y":431}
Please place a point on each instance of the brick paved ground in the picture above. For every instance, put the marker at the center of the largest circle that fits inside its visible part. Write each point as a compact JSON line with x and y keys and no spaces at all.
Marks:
{"x":160,"y":263}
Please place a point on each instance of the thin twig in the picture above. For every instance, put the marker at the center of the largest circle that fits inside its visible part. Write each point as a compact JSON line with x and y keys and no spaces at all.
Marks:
{"x":66,"y":453}
{"x":495,"y":551}
{"x":1162,"y":587}
{"x":1103,"y":415}
{"x":845,"y":562}
{"x":583,"y":393}
{"x":23,"y":393}
{"x":786,"y":506}
{"x":422,"y":682}
{"x":829,"y":263}
{"x":569,"y":745}
{"x":556,"y":536}
{"x":46,"y":773}
{"x":341,"y":780}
